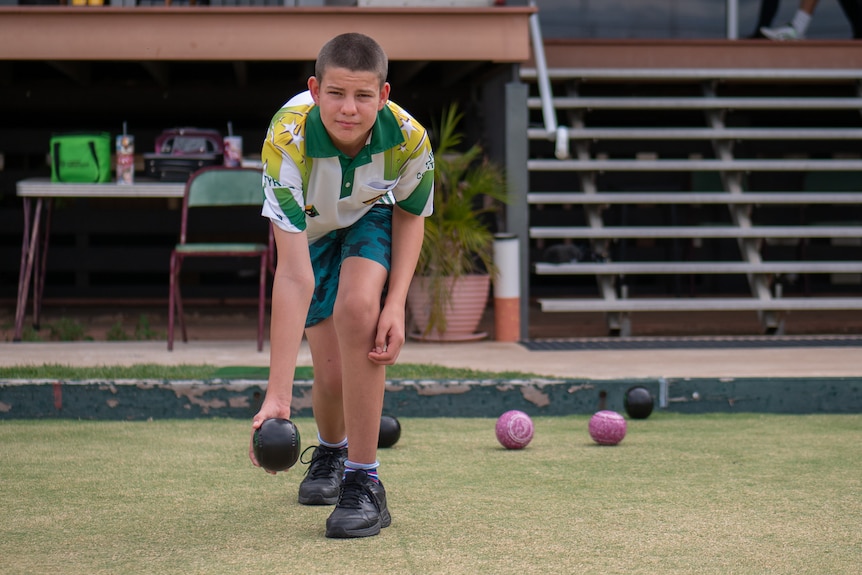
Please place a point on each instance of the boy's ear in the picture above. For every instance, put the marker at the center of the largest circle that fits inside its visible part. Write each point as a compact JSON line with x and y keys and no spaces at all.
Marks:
{"x":314,"y":88}
{"x":384,"y":96}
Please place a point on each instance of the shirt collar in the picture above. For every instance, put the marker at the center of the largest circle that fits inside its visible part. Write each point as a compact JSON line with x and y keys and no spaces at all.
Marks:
{"x":385,"y":134}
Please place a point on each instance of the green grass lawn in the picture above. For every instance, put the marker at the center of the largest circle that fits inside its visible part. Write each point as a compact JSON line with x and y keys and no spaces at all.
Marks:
{"x":737,"y":493}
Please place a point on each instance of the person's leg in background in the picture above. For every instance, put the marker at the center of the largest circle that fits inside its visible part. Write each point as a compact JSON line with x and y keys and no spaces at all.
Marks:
{"x":853,"y":10}
{"x":796,"y":28}
{"x":768,"y":10}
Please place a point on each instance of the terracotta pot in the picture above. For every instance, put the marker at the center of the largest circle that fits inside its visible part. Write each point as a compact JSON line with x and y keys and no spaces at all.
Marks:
{"x":470,"y":295}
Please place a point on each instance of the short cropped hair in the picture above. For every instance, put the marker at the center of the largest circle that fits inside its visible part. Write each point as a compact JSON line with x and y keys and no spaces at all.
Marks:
{"x":355,"y":52}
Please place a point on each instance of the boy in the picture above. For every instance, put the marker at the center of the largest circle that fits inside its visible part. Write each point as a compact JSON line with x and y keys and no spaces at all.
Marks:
{"x":348,"y":180}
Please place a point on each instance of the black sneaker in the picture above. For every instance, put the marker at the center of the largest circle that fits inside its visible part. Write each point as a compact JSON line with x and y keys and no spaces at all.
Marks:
{"x":323,"y":476}
{"x":361,"y":509}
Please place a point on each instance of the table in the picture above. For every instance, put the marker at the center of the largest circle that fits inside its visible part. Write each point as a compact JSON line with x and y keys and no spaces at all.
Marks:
{"x":37,"y":228}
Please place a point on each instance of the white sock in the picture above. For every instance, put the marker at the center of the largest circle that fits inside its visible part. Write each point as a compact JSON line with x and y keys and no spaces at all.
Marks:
{"x":352,"y":465}
{"x":341,"y":444}
{"x":800,"y":22}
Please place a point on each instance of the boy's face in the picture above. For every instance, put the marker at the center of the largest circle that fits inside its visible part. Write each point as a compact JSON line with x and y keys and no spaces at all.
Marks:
{"x":348,"y":102}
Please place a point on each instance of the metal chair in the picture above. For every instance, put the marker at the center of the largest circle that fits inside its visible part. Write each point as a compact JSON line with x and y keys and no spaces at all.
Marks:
{"x":219,"y":187}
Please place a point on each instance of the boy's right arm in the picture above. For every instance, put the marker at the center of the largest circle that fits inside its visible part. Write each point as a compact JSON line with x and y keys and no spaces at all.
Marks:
{"x":292,"y":288}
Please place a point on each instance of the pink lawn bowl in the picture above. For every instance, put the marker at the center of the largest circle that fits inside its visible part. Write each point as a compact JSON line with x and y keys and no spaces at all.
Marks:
{"x":607,"y":427}
{"x":514,"y":429}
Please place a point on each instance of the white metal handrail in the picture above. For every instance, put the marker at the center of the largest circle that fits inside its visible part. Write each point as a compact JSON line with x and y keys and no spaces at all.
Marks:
{"x":544,"y":82}
{"x":732,"y":14}
{"x":549,"y":114}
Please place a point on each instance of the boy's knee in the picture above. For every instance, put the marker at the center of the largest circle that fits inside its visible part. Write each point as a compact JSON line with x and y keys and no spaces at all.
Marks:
{"x":356,"y":309}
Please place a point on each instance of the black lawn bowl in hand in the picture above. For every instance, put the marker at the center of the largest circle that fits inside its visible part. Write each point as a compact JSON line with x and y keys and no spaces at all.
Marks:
{"x":277,"y":444}
{"x":638,"y":402}
{"x":390,"y":431}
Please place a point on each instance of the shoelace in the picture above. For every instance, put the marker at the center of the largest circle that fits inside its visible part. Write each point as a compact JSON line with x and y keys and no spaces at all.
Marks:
{"x":323,"y":461}
{"x":354,"y":493}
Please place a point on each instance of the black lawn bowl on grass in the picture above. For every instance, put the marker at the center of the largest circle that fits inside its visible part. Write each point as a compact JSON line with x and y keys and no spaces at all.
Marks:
{"x":390,"y":431}
{"x":638,"y":402}
{"x":706,"y":493}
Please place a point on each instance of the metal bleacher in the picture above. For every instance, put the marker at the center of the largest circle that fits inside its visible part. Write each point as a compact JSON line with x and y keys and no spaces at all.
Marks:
{"x":744,"y":184}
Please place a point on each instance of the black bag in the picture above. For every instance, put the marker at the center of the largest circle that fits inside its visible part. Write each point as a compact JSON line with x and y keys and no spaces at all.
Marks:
{"x":177,"y":168}
{"x":181,"y":151}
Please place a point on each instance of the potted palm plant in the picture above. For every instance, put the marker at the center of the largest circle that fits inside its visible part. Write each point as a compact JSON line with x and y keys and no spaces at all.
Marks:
{"x":450,"y":289}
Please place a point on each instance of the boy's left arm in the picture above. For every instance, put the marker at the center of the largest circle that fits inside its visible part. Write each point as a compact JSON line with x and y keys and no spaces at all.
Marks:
{"x":408,"y":231}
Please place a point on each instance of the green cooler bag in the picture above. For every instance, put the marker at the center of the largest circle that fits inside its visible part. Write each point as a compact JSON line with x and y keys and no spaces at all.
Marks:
{"x":83,"y":158}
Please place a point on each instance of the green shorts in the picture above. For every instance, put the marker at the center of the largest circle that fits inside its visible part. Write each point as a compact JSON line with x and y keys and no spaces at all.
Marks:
{"x":369,"y":238}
